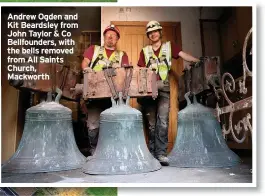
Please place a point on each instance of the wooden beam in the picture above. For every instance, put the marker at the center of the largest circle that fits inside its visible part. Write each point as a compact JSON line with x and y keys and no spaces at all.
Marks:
{"x":142,"y":23}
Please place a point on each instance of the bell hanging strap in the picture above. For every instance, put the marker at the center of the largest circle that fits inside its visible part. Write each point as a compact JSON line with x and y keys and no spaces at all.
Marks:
{"x":98,"y":52}
{"x":164,"y":61}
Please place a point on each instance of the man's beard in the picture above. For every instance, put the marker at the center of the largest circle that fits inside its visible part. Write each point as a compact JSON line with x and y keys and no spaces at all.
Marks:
{"x":109,"y":44}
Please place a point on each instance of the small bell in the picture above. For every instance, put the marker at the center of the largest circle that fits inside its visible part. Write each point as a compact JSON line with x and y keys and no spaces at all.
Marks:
{"x":121,"y":147}
{"x":199,"y":142}
{"x":48,"y":143}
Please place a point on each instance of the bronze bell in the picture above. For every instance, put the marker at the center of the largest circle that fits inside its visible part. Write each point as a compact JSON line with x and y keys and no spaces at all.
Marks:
{"x":48,"y":143}
{"x":199,"y":142}
{"x":121,"y":147}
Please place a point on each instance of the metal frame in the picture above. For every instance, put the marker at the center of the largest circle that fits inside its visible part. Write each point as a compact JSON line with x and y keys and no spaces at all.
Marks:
{"x":244,"y":124}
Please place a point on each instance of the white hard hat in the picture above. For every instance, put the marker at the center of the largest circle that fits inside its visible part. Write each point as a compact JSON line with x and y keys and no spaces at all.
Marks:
{"x":153,"y":26}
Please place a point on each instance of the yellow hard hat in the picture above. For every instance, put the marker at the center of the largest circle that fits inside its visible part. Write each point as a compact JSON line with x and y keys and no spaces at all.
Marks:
{"x":153,"y":26}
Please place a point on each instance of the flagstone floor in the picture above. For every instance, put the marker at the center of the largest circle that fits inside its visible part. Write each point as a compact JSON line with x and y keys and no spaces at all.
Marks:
{"x":239,"y":174}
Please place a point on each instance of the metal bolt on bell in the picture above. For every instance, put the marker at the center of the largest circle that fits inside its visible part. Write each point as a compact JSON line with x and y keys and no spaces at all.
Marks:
{"x":121,"y":147}
{"x":48,"y":143}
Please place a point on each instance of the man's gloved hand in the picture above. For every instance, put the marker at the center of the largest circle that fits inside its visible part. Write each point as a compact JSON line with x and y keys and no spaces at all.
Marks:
{"x":202,"y":58}
{"x":199,"y":63}
{"x":187,"y":67}
{"x":85,"y":70}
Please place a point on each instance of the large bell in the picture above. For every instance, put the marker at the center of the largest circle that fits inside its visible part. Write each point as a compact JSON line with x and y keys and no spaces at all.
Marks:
{"x":121,"y":147}
{"x":48,"y":143}
{"x":199,"y":142}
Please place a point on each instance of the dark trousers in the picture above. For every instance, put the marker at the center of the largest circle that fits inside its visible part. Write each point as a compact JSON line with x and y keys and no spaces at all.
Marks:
{"x":94,"y":108}
{"x":157,"y":115}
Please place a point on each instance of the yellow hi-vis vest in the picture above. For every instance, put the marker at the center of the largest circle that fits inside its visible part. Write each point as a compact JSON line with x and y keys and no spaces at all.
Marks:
{"x":162,"y":63}
{"x":103,"y":60}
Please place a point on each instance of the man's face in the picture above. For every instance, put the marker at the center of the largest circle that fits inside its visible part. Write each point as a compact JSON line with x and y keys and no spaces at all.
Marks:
{"x":154,"y":36}
{"x":111,"y":38}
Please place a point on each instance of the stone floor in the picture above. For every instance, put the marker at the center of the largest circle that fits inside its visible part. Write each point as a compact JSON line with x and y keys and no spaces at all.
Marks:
{"x":239,"y":174}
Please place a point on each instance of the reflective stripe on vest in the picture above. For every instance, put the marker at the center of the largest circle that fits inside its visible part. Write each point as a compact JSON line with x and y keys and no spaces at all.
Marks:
{"x":158,"y":63}
{"x":100,"y":52}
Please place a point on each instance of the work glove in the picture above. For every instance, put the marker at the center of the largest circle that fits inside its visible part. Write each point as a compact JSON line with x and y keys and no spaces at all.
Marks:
{"x":85,"y":70}
{"x":202,"y":59}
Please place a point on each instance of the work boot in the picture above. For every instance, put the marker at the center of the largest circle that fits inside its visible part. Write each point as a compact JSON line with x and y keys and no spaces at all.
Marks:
{"x":91,"y":151}
{"x":163,"y":160}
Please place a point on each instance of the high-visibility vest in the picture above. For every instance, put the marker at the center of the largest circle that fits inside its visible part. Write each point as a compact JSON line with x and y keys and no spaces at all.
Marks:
{"x":162,"y":63}
{"x":100,"y":58}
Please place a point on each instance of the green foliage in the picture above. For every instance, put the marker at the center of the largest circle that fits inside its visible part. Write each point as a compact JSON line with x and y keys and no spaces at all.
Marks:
{"x":45,"y":191}
{"x":102,"y":191}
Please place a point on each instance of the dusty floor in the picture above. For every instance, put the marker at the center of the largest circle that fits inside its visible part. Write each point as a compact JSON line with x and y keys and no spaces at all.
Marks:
{"x":239,"y":174}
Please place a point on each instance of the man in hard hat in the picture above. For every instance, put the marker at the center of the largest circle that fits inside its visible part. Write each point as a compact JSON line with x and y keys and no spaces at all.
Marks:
{"x":97,"y":57}
{"x":158,"y":56}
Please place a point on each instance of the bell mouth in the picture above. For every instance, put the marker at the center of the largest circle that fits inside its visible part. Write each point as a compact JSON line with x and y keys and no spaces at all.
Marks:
{"x":222,"y":159}
{"x":98,"y":166}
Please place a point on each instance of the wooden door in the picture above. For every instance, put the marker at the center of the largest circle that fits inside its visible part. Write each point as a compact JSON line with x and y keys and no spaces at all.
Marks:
{"x":234,"y":30}
{"x":210,"y":37}
{"x":229,"y":37}
{"x":10,"y":98}
{"x":133,"y":39}
{"x":244,"y":23}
